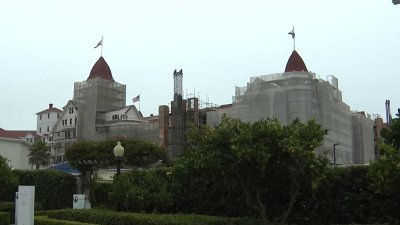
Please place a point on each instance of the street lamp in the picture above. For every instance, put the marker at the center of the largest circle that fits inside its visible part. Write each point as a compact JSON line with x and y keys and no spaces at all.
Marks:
{"x":334,"y":153}
{"x":119,"y":154}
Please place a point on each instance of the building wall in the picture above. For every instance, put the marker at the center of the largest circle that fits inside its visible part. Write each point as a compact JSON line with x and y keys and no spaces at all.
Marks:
{"x":16,"y":151}
{"x":294,"y":95}
{"x":45,"y":123}
{"x":363,"y":138}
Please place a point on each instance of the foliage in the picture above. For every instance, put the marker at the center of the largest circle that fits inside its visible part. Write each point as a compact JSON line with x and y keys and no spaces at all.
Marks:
{"x":384,"y":173}
{"x":9,"y":207}
{"x":118,"y":218}
{"x":53,"y":189}
{"x":272,"y":164}
{"x":145,"y":190}
{"x":391,"y":135}
{"x":101,"y":195}
{"x":344,"y":197}
{"x":39,"y":154}
{"x":7,"y":180}
{"x":43,"y":220}
{"x":5,"y":218}
{"x":87,"y":156}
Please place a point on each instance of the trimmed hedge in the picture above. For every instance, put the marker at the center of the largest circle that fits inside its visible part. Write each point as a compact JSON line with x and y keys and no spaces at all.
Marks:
{"x":9,"y":207}
{"x":104,"y":217}
{"x":44,"y":220}
{"x":5,"y":218}
{"x":53,"y":189}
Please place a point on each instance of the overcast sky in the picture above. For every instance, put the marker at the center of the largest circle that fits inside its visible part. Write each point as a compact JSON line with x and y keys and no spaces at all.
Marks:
{"x":46,"y":46}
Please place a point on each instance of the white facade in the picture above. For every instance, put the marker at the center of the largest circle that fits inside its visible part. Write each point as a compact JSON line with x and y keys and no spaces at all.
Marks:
{"x":16,"y":150}
{"x":45,"y":122}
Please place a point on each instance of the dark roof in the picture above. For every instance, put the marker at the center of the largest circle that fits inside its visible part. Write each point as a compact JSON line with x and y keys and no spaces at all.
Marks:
{"x":101,"y":69}
{"x":50,"y":110}
{"x":295,"y":63}
{"x":16,"y":134}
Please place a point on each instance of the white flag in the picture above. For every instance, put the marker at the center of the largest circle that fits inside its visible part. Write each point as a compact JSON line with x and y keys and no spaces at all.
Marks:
{"x":136,"y":99}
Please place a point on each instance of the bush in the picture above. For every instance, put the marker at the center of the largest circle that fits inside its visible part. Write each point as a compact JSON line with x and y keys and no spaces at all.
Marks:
{"x":53,"y":189}
{"x":9,"y":207}
{"x":5,"y":218}
{"x":145,"y":190}
{"x":43,"y":220}
{"x":118,"y":218}
{"x":101,"y":195}
{"x":7,"y":180}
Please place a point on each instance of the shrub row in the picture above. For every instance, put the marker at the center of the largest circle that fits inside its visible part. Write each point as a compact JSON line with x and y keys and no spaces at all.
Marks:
{"x":43,"y":220}
{"x":104,"y":217}
{"x":9,"y":207}
{"x":5,"y":218}
{"x":53,"y":189}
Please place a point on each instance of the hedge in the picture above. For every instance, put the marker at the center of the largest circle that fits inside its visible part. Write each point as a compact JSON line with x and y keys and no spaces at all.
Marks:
{"x":5,"y":218}
{"x":104,"y":217}
{"x":9,"y":207}
{"x":53,"y":189}
{"x":44,"y":220}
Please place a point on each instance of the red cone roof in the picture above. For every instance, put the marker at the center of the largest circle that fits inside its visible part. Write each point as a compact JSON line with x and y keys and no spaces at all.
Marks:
{"x":295,"y":63}
{"x":101,"y":69}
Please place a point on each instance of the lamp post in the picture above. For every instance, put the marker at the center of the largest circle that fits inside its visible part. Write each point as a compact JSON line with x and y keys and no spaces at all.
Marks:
{"x":119,"y":154}
{"x":334,"y":153}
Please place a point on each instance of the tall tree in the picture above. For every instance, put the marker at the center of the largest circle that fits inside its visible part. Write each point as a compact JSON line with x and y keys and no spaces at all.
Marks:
{"x":88,"y":156}
{"x":271,"y":163}
{"x":39,"y":154}
{"x":7,"y":178}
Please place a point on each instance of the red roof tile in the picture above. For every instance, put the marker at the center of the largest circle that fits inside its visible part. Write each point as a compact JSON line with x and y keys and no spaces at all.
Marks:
{"x":101,"y":69}
{"x":16,"y":134}
{"x":295,"y":63}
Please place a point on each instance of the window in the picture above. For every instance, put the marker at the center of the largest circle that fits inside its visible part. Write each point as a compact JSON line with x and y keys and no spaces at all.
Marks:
{"x":71,"y":110}
{"x":70,"y":121}
{"x":62,"y":122}
{"x":40,"y":130}
{"x":58,"y":115}
{"x":48,"y":129}
{"x":40,"y":116}
{"x":48,"y":115}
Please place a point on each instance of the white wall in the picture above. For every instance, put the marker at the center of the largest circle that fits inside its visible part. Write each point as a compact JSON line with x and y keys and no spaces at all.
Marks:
{"x":16,"y":151}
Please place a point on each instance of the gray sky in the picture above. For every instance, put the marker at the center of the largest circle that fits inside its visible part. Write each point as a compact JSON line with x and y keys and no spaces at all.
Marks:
{"x":46,"y":46}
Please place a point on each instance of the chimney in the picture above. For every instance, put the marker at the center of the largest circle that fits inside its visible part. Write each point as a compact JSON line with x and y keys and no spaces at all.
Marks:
{"x":50,"y":106}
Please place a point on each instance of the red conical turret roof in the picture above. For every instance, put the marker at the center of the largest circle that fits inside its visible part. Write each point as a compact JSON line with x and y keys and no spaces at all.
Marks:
{"x":295,"y":63}
{"x":101,"y":69}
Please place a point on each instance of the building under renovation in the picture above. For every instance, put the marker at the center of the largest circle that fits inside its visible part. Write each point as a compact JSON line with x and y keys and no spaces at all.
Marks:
{"x":98,"y":111}
{"x":299,"y":93}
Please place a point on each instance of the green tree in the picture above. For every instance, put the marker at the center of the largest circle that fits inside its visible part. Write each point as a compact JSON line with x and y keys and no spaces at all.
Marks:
{"x":7,"y":178}
{"x":271,"y":163}
{"x":384,"y":172}
{"x":39,"y":154}
{"x":88,"y":156}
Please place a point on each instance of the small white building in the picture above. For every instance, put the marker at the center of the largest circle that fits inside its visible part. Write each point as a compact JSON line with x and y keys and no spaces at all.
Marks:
{"x":14,"y":145}
{"x":45,"y":122}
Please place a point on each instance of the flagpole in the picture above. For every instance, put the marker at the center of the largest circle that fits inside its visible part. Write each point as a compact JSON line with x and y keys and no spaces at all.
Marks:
{"x":139,"y":101}
{"x":102,"y":43}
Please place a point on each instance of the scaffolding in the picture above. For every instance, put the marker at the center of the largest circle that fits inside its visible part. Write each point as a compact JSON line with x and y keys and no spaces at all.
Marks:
{"x":94,"y":97}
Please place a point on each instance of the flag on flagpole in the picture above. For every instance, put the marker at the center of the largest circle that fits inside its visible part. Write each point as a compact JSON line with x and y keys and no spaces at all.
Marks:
{"x":100,"y":43}
{"x":136,"y":99}
{"x":292,"y":33}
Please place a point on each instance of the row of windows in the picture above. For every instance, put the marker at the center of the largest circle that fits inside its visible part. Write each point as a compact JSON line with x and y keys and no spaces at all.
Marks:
{"x":71,"y":110}
{"x":119,"y":117}
{"x":48,"y":116}
{"x":40,"y":129}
